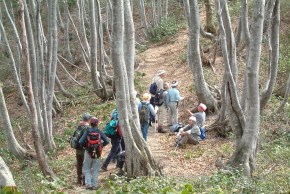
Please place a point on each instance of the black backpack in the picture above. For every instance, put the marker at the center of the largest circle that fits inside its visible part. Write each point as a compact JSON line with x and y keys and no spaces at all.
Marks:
{"x":153,"y":88}
{"x":94,"y":145}
{"x":159,"y":97}
{"x":144,"y":112}
{"x":77,"y":136}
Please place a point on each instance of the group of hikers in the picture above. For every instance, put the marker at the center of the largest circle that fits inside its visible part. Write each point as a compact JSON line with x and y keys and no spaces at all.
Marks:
{"x":88,"y":139}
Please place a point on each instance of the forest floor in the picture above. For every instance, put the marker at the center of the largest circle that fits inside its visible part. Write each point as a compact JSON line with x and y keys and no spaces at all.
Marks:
{"x":193,"y":160}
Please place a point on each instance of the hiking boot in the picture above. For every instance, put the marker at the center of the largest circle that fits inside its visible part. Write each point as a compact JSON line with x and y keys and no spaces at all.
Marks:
{"x":171,"y":133}
{"x":89,"y":187}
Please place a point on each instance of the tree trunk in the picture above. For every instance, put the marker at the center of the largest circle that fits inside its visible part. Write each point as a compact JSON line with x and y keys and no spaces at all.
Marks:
{"x":67,"y":35}
{"x":143,"y":16}
{"x":52,"y":64}
{"x":6,"y":178}
{"x":12,"y":142}
{"x":209,"y":26}
{"x":153,"y":12}
{"x":246,"y":147}
{"x":28,"y":45}
{"x":138,"y":158}
{"x":194,"y":59}
{"x":285,"y":100}
{"x":273,"y":55}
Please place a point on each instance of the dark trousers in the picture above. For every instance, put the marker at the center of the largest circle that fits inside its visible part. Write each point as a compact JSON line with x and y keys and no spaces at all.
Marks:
{"x":114,"y":150}
{"x":80,"y":161}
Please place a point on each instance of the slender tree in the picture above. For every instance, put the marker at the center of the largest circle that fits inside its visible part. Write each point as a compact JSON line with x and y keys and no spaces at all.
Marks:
{"x":6,"y":178}
{"x":139,"y":160}
{"x":12,"y":142}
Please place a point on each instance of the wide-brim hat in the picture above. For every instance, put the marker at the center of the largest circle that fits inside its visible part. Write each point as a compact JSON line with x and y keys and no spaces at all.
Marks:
{"x":146,"y":97}
{"x":192,"y":118}
{"x":202,"y":106}
{"x":174,"y":83}
{"x":160,"y":72}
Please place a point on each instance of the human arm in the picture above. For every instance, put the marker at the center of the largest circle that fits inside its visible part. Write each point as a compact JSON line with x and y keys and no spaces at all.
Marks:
{"x":83,"y":138}
{"x":152,"y":112}
{"x":105,"y":139}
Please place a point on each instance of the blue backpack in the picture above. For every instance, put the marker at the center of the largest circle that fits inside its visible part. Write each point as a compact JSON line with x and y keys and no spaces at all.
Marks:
{"x":202,"y":133}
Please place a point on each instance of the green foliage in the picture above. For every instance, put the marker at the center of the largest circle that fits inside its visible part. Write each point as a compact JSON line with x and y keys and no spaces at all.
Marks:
{"x":9,"y":190}
{"x":165,"y":29}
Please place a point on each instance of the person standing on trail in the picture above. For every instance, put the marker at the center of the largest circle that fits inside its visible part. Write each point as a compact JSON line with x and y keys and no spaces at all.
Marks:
{"x":115,"y":140}
{"x":173,"y":100}
{"x":94,"y":140}
{"x":200,"y":115}
{"x":156,"y":85}
{"x":188,"y":134}
{"x":162,"y":109}
{"x":83,"y":126}
{"x":145,"y":109}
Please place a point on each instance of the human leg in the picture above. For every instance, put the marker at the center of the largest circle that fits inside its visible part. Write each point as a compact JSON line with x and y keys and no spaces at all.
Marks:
{"x":193,"y":140}
{"x":80,"y":161}
{"x":113,"y":152}
{"x":87,"y":169}
{"x":95,"y":171}
{"x":144,"y":129}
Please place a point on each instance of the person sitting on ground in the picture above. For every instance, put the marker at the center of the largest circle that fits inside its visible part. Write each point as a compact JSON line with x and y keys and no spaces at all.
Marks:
{"x":92,"y":159}
{"x":188,"y":134}
{"x":173,"y":98}
{"x":200,"y":115}
{"x":84,"y":125}
{"x":145,"y":109}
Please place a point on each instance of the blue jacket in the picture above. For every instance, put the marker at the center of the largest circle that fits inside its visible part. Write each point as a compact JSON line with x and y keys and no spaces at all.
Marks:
{"x":103,"y":136}
{"x":173,"y":95}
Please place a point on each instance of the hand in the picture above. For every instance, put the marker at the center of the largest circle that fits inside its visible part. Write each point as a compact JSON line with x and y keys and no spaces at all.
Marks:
{"x":189,"y":112}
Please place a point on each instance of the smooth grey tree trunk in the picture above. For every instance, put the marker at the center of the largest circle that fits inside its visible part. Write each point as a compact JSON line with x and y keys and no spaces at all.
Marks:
{"x":67,"y":52}
{"x":194,"y":58}
{"x":273,"y":54}
{"x":6,"y":178}
{"x":143,"y":16}
{"x":13,"y":145}
{"x":139,"y":161}
{"x":244,"y":155}
{"x":286,"y":96}
{"x":209,"y":10}
{"x":52,"y":64}
{"x":28,"y":44}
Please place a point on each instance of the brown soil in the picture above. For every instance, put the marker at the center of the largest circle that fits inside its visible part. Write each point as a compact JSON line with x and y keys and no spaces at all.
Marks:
{"x":185,"y":162}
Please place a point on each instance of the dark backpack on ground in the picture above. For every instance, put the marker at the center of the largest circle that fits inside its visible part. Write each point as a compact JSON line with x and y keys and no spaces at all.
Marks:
{"x":176,"y":127}
{"x":77,"y":136}
{"x":94,"y":145}
{"x":202,"y":133}
{"x":153,"y":88}
{"x":159,"y":97}
{"x":111,"y":128}
{"x":144,"y":112}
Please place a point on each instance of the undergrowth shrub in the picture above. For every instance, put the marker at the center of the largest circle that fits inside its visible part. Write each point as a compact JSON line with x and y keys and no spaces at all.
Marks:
{"x":166,"y":28}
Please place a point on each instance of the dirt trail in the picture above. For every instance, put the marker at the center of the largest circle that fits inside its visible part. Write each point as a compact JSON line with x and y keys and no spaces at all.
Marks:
{"x":185,"y":162}
{"x":193,"y":160}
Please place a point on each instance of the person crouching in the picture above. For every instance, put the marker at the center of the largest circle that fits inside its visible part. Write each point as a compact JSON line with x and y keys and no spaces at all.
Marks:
{"x":188,"y":134}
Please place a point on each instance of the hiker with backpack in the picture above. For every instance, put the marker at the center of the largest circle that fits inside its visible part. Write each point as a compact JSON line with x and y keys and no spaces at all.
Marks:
{"x":113,"y":131}
{"x":161,"y":100}
{"x":145,"y":109}
{"x":156,"y":85}
{"x":93,"y":140}
{"x":173,"y":99}
{"x":81,"y":129}
{"x":188,"y":134}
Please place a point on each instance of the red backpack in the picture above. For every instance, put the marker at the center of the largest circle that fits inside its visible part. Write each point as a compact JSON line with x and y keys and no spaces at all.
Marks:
{"x":94,"y":145}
